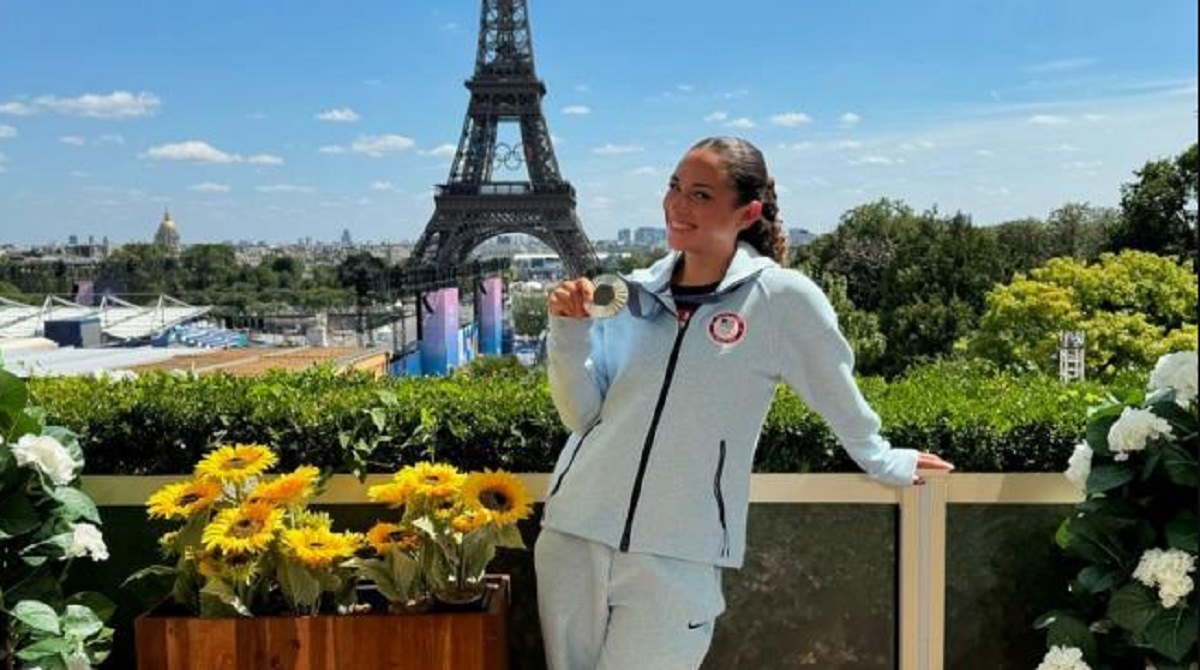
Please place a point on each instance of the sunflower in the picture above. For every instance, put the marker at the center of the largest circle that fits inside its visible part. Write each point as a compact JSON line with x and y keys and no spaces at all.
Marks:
{"x":435,"y":480}
{"x":394,"y":493}
{"x":501,"y":493}
{"x":212,"y":565}
{"x":471,"y":519}
{"x":384,"y":536}
{"x":235,"y":464}
{"x":291,"y":489}
{"x":183,"y":500}
{"x":317,"y":548}
{"x":242,"y":530}
{"x":310,"y":519}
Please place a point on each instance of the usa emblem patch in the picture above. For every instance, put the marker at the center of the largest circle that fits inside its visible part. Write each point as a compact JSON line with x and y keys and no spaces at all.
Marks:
{"x":727,"y":328}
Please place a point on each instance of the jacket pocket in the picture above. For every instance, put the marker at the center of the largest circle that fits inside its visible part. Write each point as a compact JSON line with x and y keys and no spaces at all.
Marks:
{"x":720,"y":496}
{"x":574,"y":454}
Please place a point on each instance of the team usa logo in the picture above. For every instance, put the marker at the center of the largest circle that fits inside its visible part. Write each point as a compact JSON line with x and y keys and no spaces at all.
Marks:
{"x":727,"y":329}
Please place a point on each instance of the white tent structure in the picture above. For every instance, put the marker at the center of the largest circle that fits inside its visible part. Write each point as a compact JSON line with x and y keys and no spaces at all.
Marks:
{"x":119,"y":320}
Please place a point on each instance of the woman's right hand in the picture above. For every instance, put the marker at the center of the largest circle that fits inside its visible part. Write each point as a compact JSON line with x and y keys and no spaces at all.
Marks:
{"x":571,"y":298}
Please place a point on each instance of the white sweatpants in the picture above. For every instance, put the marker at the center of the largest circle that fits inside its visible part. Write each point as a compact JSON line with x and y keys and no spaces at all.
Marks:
{"x":602,"y":609}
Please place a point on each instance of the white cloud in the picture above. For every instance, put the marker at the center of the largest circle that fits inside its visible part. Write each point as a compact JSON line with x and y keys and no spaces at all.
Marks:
{"x":441,"y":150}
{"x":1093,"y":117}
{"x":115,"y":105}
{"x":740,"y":93}
{"x":264,"y":159}
{"x":283,"y":188}
{"x":382,"y":185}
{"x":849,"y":119}
{"x":377,"y":146}
{"x":645,"y":170}
{"x":3,"y":161}
{"x":686,"y":88}
{"x":73,"y":140}
{"x":110,"y":139}
{"x":577,"y":109}
{"x":191,"y":150}
{"x":210,"y":187}
{"x":583,"y":88}
{"x":716,"y":116}
{"x":339,"y":115}
{"x":79,"y":174}
{"x":17,"y":109}
{"x":984,"y":152}
{"x":7,"y":131}
{"x":848,"y":145}
{"x":1063,"y":65}
{"x":611,"y":149}
{"x":876,"y":160}
{"x":1065,"y":148}
{"x":800,"y":146}
{"x":741,"y":122}
{"x":791,"y":119}
{"x":197,"y":151}
{"x":1048,"y":120}
{"x":332,"y":149}
{"x":917,"y":145}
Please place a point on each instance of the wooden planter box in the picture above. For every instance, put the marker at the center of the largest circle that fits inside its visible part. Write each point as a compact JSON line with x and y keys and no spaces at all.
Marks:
{"x":430,"y":641}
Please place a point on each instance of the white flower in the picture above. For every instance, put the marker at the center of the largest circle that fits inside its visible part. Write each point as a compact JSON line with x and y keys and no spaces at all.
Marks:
{"x":1063,"y":658}
{"x":1133,"y":430}
{"x":1079,"y":466}
{"x":1176,"y":371}
{"x":46,"y":454}
{"x":87,"y":539}
{"x":1168,"y":570}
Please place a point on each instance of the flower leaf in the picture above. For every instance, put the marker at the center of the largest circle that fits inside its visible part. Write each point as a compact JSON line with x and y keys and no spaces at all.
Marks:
{"x":98,"y":603}
{"x":1133,"y":607}
{"x":75,"y":504}
{"x":1173,"y":632}
{"x":1108,"y":476}
{"x":43,"y":648}
{"x":1098,"y":427}
{"x":17,"y":515}
{"x":37,"y":615}
{"x":1096,"y":579}
{"x":300,"y":588}
{"x":13,"y":397}
{"x":1181,"y":466}
{"x":1182,"y":532}
{"x":1066,"y":629}
{"x":81,"y":622}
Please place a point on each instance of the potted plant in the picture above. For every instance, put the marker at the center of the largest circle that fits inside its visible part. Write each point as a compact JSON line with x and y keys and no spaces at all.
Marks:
{"x":445,"y":533}
{"x":1133,"y":602}
{"x":45,"y":523}
{"x":260,"y":580}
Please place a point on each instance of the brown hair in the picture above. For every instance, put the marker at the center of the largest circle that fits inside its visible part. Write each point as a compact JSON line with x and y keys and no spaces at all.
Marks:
{"x":747,"y":171}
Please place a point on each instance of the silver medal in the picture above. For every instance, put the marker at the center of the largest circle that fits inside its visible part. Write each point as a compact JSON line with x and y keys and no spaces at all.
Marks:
{"x":609,"y":297}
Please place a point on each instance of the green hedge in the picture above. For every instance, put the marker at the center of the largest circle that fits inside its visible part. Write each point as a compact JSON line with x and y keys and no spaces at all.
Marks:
{"x":497,"y":415}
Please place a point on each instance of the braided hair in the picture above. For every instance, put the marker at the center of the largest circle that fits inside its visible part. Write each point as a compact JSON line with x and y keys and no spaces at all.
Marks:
{"x":747,"y":171}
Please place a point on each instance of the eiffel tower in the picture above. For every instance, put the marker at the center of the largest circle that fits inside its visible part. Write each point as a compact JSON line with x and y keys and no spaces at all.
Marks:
{"x":473,"y":206}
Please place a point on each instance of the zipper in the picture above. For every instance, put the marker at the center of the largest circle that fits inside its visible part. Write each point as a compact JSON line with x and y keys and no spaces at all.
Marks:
{"x":571,"y":461}
{"x":721,"y":501}
{"x":658,"y":408}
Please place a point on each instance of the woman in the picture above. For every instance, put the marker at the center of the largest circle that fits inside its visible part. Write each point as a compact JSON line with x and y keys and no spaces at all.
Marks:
{"x":665,"y":402}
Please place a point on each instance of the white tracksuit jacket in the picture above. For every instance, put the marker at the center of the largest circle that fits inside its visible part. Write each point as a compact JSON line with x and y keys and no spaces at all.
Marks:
{"x":665,"y":417}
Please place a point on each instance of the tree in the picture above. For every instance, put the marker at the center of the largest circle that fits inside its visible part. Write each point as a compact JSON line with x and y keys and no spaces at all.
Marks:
{"x":1132,"y":307}
{"x":1080,"y":230}
{"x":1158,"y":208}
{"x":529,"y":315}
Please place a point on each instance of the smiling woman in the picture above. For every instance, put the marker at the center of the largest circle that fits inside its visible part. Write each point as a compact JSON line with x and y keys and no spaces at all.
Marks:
{"x":648,"y":502}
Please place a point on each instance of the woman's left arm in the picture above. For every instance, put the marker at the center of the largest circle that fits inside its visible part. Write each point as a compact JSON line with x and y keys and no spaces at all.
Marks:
{"x":814,"y":358}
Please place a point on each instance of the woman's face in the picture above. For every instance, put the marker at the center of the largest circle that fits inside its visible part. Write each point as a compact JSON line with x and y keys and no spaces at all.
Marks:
{"x":700,"y":207}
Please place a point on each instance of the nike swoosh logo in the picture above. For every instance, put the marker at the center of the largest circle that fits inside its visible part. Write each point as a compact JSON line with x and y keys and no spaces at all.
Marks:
{"x":692,"y":625}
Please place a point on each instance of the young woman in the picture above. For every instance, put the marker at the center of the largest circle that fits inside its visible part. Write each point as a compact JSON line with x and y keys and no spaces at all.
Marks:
{"x":665,"y":402}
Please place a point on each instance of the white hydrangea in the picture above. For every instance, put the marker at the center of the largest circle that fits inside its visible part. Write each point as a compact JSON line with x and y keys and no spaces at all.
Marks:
{"x":1168,"y":570}
{"x":87,"y":540}
{"x":46,"y":454}
{"x":1176,"y":371}
{"x":1063,"y":658}
{"x":1079,"y":466}
{"x":1133,"y":430}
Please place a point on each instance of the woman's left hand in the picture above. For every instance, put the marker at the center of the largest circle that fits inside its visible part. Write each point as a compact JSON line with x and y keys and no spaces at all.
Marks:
{"x":928,"y":461}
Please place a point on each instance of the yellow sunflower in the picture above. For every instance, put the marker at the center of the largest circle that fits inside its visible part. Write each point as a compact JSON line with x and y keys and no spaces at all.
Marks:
{"x":501,"y":493}
{"x":183,"y":500}
{"x":435,"y":480}
{"x":291,"y":489}
{"x":318,"y":548}
{"x":471,"y":519}
{"x":236,"y":568}
{"x":235,"y":464}
{"x":242,"y":530}
{"x":383,"y":536}
{"x":310,"y":519}
{"x":394,"y":493}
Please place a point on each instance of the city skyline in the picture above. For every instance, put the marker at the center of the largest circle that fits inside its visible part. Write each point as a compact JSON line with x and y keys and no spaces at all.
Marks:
{"x":279,"y":122}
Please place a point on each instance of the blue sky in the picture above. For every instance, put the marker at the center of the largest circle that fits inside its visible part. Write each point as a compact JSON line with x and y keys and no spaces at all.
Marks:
{"x":278,"y":120}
